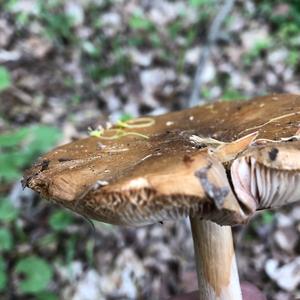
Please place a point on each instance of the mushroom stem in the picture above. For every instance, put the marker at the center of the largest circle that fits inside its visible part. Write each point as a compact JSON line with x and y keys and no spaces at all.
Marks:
{"x":217,"y":272}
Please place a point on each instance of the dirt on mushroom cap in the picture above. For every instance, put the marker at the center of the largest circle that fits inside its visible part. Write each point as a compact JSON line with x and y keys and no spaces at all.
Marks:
{"x":131,"y":180}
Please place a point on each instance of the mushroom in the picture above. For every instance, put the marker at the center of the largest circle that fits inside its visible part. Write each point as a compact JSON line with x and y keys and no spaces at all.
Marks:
{"x":216,"y":164}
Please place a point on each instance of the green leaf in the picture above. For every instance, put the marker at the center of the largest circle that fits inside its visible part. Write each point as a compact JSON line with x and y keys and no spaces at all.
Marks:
{"x":57,"y":24}
{"x":139,"y":22}
{"x":89,"y":250}
{"x":256,"y":50}
{"x":70,"y":249}
{"x":5,"y":79}
{"x":13,"y":138}
{"x":46,"y":296}
{"x":60,"y":219}
{"x":126,"y":117}
{"x":18,"y":149}
{"x":6,"y":239}
{"x":90,"y":48}
{"x":48,"y":239}
{"x":232,"y":94}
{"x":267,"y":217}
{"x":196,"y":3}
{"x":293,"y":58}
{"x":43,"y":138}
{"x":11,"y":164}
{"x":8,"y":212}
{"x":38,"y":274}
{"x":3,"y":277}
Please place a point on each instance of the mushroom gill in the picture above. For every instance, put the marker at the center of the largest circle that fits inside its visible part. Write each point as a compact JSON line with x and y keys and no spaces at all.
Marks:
{"x":258,"y":186}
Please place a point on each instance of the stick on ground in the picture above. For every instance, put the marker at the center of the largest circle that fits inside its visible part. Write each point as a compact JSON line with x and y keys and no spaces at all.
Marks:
{"x":195,"y":96}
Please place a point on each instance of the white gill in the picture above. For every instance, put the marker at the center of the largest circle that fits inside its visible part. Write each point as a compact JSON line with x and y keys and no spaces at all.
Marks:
{"x":259,"y":187}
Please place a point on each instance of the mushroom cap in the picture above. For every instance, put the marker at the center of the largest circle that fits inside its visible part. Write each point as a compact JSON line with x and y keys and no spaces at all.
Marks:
{"x":132,"y":180}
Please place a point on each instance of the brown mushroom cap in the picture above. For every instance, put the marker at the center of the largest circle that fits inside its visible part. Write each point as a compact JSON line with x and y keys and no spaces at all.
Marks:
{"x":133,"y":180}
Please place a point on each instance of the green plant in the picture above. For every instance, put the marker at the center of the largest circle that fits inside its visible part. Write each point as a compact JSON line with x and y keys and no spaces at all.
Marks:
{"x":22,"y":18}
{"x":267,"y":217}
{"x":6,"y":240}
{"x":126,"y":117}
{"x":288,"y":31}
{"x":58,"y":25}
{"x":19,"y":148}
{"x":109,"y":64}
{"x":48,"y":240}
{"x":284,"y":23}
{"x":3,"y":277}
{"x":90,"y":48}
{"x":139,"y":22}
{"x":293,"y":58}
{"x":232,"y":94}
{"x":60,"y":220}
{"x":206,"y":92}
{"x":71,"y":249}
{"x":34,"y":273}
{"x":206,"y":9}
{"x":257,"y":50}
{"x":8,"y":212}
{"x":5,"y":79}
{"x":45,"y":295}
{"x":197,"y":3}
{"x":89,"y":251}
{"x":37,"y":274}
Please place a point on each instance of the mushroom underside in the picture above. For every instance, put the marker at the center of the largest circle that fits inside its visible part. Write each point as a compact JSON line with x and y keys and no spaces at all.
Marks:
{"x":263,"y":186}
{"x":156,"y":208}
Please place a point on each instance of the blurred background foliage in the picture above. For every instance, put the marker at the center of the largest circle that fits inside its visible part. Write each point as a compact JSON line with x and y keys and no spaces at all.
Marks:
{"x":69,"y":65}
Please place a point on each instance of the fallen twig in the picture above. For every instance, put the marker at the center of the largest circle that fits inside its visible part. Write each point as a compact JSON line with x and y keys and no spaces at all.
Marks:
{"x":211,"y":39}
